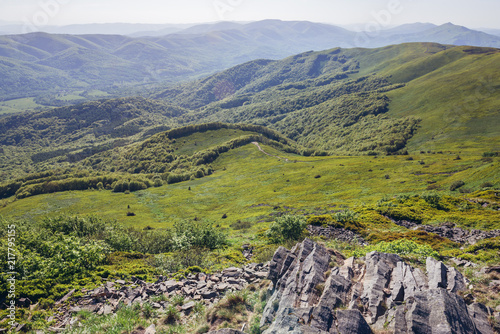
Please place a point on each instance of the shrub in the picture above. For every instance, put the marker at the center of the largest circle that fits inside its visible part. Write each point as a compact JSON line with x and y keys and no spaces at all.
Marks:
{"x":432,"y":187}
{"x":172,"y":315}
{"x":433,"y":200}
{"x":241,"y":225}
{"x":320,"y":220}
{"x":345,"y":216}
{"x":487,"y":185}
{"x":286,"y":228}
{"x":457,"y":184}
{"x":203,"y":329}
{"x":199,"y":234}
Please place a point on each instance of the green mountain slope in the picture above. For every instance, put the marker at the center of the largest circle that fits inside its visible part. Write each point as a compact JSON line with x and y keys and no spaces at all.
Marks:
{"x":113,"y":63}
{"x":317,"y":97}
{"x":171,"y":157}
{"x":32,"y":142}
{"x":416,"y":97}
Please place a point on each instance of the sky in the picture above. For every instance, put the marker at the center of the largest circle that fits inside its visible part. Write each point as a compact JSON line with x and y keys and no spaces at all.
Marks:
{"x":473,"y":14}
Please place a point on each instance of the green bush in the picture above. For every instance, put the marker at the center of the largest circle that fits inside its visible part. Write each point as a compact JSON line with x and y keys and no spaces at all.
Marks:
{"x":457,"y":184}
{"x":320,"y":220}
{"x":286,"y":228}
{"x":201,"y":234}
{"x":433,"y":199}
{"x":345,"y":216}
{"x":487,"y":185}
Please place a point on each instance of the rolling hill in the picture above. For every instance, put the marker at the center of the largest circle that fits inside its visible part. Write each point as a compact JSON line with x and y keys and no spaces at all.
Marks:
{"x":46,"y":65}
{"x":408,"y":97}
{"x":335,"y":99}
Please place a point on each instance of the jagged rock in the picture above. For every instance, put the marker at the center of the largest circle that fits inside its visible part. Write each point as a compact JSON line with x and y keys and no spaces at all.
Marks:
{"x":384,"y":292}
{"x":66,"y":297}
{"x":188,"y":306}
{"x":463,"y":263}
{"x":231,"y":272}
{"x":75,"y":309}
{"x":151,"y":329}
{"x":495,"y":285}
{"x":279,"y":260}
{"x":480,"y":314}
{"x":351,"y":322}
{"x":378,"y":272}
{"x":208,"y":294}
{"x":261,"y":274}
{"x":336,"y":292}
{"x":495,"y":269}
{"x":436,"y":271}
{"x":438,"y":311}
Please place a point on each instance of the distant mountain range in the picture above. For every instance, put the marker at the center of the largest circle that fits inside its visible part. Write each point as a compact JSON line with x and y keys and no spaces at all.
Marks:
{"x":35,"y":64}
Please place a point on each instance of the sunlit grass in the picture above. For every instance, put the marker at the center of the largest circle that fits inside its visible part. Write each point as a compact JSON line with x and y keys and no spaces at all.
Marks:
{"x":248,"y":185}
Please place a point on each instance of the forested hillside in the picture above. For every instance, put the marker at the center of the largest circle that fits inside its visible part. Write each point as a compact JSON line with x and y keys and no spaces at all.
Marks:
{"x":340,"y":101}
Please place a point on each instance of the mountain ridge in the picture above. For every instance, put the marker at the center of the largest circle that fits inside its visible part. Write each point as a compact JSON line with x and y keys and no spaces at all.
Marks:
{"x":89,"y":60}
{"x":338,"y":101}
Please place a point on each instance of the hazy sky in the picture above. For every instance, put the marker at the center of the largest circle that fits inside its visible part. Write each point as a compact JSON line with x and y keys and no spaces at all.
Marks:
{"x":473,"y":14}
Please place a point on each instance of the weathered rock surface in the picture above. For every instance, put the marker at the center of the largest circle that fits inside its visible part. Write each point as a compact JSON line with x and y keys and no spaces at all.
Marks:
{"x":383,"y":293}
{"x":331,"y":232}
{"x":195,"y":288}
{"x":450,"y":231}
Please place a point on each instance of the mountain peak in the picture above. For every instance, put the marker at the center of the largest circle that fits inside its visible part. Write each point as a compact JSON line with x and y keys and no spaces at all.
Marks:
{"x":454,"y":26}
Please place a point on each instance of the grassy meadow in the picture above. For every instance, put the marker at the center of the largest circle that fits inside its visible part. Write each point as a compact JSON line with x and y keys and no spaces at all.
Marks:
{"x":249,"y":185}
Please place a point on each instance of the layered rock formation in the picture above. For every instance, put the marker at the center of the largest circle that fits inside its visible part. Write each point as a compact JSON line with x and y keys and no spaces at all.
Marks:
{"x":380,"y":292}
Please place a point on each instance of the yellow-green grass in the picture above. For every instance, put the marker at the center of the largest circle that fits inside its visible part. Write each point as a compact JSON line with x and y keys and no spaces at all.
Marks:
{"x":203,"y":140}
{"x":452,"y":117}
{"x":248,"y":185}
{"x":17,"y":105}
{"x":453,"y":90}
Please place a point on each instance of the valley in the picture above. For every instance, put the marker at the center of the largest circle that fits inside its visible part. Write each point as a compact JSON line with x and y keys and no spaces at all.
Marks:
{"x":144,"y":187}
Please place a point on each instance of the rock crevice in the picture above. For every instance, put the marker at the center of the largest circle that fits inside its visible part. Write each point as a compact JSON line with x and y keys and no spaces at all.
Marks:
{"x":378,"y":292}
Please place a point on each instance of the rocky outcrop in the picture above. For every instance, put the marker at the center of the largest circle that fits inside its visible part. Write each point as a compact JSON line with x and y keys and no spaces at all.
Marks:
{"x":378,"y":292}
{"x":450,"y":231}
{"x":199,"y":287}
{"x":330,"y":232}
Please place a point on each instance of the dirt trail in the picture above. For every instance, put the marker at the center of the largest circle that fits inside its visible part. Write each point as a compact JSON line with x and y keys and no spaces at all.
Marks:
{"x":274,"y":156}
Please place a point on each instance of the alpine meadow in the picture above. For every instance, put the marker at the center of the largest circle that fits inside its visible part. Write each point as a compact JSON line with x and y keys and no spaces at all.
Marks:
{"x":223,"y":178}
